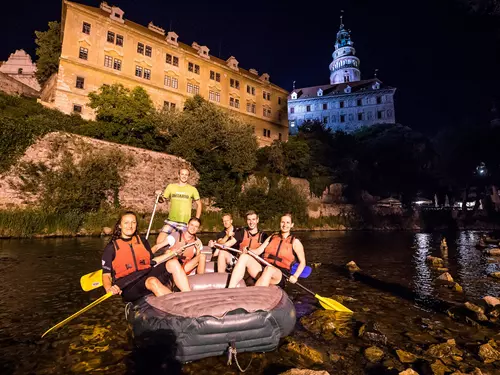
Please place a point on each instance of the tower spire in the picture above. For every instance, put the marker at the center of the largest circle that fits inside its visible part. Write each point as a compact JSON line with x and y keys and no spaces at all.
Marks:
{"x":341,"y":19}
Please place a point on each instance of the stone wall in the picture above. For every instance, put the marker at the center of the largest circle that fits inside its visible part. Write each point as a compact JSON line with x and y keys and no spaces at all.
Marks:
{"x":151,"y":170}
{"x":12,"y":86}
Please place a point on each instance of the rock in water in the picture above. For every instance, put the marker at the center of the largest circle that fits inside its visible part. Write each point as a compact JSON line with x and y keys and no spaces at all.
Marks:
{"x":445,"y":277}
{"x":408,"y":372}
{"x":435,"y":261}
{"x":329,"y":324}
{"x":496,"y":275}
{"x":297,"y":371}
{"x":439,"y":368}
{"x":107,"y":231}
{"x":495,"y":252}
{"x":458,"y":288}
{"x":475,"y":308}
{"x":446,"y":349}
{"x":352,"y":266}
{"x":406,"y":357}
{"x":374,"y":354}
{"x":301,"y":354}
{"x":492,"y":301}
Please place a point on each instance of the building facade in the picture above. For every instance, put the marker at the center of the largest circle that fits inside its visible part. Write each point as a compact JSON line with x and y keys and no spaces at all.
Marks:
{"x":347,"y":103}
{"x":20,"y":67}
{"x":100,"y":46}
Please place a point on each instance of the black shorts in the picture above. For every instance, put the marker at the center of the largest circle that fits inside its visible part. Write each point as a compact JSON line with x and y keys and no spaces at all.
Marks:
{"x":137,"y":289}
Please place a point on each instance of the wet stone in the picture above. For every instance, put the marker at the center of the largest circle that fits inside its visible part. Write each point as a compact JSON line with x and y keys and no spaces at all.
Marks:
{"x":458,"y":288}
{"x":328,"y":324}
{"x":392,"y":363}
{"x":491,"y":301}
{"x":488,"y":354}
{"x":301,"y":354}
{"x":435,"y":261}
{"x":495,"y":275}
{"x":370,"y":332}
{"x":352,"y":266}
{"x":421,"y":337}
{"x":296,"y":371}
{"x":475,"y":308}
{"x":439,"y":368}
{"x":374,"y":354}
{"x":445,"y":277}
{"x":406,"y":357}
{"x":408,"y":371}
{"x":444,"y":350}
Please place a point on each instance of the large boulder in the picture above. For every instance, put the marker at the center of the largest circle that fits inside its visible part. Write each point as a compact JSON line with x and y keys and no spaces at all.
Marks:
{"x":488,"y":353}
{"x":435,"y":261}
{"x":443,"y":350}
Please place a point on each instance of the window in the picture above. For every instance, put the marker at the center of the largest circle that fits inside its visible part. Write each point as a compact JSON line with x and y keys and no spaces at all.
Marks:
{"x":268,"y":96}
{"x":80,"y":82}
{"x":149,"y":51}
{"x":251,"y":108}
{"x":379,"y":100}
{"x":234,"y":83}
{"x":86,"y":28}
{"x":111,"y":37}
{"x":325,"y":106}
{"x":173,"y":60}
{"x":308,"y":108}
{"x":250,"y":89}
{"x":108,"y":61}
{"x":117,"y":64}
{"x":267,"y":133}
{"x":217,"y":77}
{"x":342,"y":118}
{"x":266,"y":112}
{"x":214,"y":96}
{"x":140,"y":48}
{"x":359,"y":102}
{"x":279,"y":101}
{"x":20,"y":71}
{"x":171,"y":82}
{"x":138,"y":71}
{"x":231,"y":102}
{"x":193,"y":89}
{"x":342,"y":104}
{"x":119,"y":40}
{"x":147,"y":73}
{"x":168,"y":58}
{"x":279,"y":136}
{"x":325,"y":120}
{"x":77,"y":108}
{"x":84,"y":53}
{"x":254,"y":109}
{"x":360,"y":116}
{"x":168,"y":106}
{"x":380,"y":114}
{"x":176,"y":61}
{"x":292,"y":109}
{"x":191,"y":67}
{"x":236,"y":103}
{"x":195,"y":68}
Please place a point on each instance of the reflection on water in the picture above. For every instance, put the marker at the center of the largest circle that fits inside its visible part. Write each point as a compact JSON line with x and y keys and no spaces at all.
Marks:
{"x":40,"y":286}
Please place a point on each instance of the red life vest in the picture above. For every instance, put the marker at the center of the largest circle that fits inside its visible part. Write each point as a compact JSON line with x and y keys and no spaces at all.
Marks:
{"x":130,"y":256}
{"x":279,"y":251}
{"x":251,"y":241}
{"x":189,"y":253}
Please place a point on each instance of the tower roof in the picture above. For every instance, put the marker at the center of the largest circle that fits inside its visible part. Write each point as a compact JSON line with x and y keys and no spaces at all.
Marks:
{"x":343,"y":37}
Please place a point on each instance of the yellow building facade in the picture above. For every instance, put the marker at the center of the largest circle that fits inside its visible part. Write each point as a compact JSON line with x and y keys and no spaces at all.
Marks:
{"x":100,"y":46}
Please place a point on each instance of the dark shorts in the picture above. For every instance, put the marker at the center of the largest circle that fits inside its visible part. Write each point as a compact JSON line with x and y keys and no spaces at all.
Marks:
{"x":137,"y":289}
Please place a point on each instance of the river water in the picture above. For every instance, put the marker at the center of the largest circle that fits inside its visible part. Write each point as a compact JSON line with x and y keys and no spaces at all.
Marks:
{"x":39,"y":281}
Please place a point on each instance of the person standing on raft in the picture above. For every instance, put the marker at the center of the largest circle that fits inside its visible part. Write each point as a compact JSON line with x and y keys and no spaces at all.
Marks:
{"x":127,"y":265}
{"x":181,"y":196}
{"x":281,"y":250}
{"x":192,"y":257}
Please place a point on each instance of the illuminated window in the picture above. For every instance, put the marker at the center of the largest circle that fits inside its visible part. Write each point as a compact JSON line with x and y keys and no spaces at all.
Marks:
{"x":111,"y":37}
{"x":254,"y":109}
{"x":176,"y":61}
{"x":117,"y":64}
{"x":292,"y":110}
{"x":108,"y":61}
{"x":86,"y":28}
{"x":214,"y":96}
{"x":147,"y":73}
{"x":140,"y":48}
{"x":149,"y":51}
{"x":83,"y":54}
{"x":167,"y":106}
{"x":138,"y":71}
{"x":193,"y":89}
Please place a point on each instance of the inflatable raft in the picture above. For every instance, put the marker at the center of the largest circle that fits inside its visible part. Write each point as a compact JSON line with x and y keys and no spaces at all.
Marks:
{"x":211,"y":318}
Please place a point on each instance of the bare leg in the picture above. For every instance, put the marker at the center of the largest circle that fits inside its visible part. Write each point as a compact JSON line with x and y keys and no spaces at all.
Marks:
{"x":154,"y":285}
{"x":245,"y":262}
{"x":201,"y":264}
{"x":180,"y":279}
{"x":271,"y":275}
{"x":165,"y":231}
{"x":222,"y":261}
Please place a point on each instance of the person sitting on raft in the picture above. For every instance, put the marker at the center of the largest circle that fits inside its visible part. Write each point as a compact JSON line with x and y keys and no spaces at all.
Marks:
{"x":225,"y":237}
{"x":249,"y":237}
{"x":191,"y":257}
{"x":127,"y":265}
{"x":280,"y":249}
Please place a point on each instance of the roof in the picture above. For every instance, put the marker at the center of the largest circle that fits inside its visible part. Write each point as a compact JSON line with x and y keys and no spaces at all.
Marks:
{"x":338,"y":88}
{"x":389,"y":200}
{"x":161,"y":38}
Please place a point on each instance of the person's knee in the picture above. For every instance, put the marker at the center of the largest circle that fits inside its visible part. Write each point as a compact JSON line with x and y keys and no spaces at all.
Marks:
{"x":203,"y":258}
{"x":152,"y":283}
{"x":173,"y":265}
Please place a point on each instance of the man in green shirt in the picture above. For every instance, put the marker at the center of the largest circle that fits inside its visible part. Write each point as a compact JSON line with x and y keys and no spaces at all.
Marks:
{"x":181,"y":196}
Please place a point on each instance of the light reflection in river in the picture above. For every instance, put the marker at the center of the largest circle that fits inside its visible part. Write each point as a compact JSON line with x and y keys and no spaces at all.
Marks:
{"x":422,"y":280}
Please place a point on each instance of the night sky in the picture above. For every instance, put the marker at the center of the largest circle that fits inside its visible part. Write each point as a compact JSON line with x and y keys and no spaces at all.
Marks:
{"x":443,"y":60}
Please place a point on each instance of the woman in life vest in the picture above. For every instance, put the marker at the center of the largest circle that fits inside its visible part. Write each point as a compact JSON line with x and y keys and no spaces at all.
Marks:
{"x":192,"y":257}
{"x":127,"y":267}
{"x":281,"y":250}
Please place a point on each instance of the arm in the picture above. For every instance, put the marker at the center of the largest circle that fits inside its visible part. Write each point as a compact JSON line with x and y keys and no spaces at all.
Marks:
{"x":298,"y":249}
{"x":262,"y":247}
{"x":198,"y":208}
{"x":107,"y":283}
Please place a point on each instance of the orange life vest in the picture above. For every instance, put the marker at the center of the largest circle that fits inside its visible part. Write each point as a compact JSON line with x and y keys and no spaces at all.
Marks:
{"x":251,"y":241}
{"x":189,"y":253}
{"x":130,"y":256}
{"x":279,"y":251}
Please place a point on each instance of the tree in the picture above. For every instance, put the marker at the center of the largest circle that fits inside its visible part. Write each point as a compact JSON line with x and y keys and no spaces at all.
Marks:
{"x":219,"y":145}
{"x":48,"y":51}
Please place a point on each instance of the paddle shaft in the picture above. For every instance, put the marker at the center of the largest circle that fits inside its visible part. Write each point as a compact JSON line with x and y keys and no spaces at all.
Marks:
{"x":152,"y":215}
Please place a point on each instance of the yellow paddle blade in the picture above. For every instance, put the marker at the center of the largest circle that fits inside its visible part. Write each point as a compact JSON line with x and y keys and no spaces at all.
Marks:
{"x":331,"y":304}
{"x":91,"y":280}
{"x":96,"y":302}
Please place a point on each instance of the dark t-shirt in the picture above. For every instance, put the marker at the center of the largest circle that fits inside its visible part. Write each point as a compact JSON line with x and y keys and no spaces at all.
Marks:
{"x":107,"y":263}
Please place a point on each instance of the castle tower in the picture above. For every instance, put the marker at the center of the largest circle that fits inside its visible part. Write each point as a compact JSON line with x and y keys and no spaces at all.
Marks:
{"x":345,"y":65}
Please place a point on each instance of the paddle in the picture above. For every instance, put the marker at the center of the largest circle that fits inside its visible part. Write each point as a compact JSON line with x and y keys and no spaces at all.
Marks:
{"x":109,"y":294}
{"x":93,"y":280}
{"x":326,"y":303}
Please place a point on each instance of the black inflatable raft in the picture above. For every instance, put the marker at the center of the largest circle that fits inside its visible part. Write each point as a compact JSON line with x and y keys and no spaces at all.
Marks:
{"x":208,"y":320}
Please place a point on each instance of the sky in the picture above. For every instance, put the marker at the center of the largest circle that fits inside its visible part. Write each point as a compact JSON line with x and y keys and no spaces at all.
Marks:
{"x":443,"y":60}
